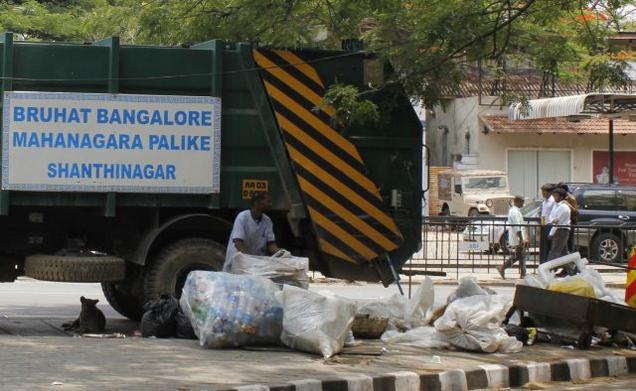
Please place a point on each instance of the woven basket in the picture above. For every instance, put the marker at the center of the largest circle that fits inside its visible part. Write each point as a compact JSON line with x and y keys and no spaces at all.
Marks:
{"x":368,"y":328}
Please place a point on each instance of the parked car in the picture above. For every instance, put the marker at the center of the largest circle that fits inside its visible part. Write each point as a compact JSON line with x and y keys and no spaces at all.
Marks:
{"x":473,"y":192}
{"x":495,"y":231}
{"x":613,"y":209}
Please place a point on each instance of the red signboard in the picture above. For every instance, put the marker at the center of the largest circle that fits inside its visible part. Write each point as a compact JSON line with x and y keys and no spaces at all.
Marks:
{"x":624,"y":167}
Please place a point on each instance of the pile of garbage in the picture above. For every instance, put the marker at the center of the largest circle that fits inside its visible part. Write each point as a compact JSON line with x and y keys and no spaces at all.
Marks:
{"x":266,"y":302}
{"x":583,"y":280}
{"x":594,"y":322}
{"x":471,"y":320}
{"x":228,"y":310}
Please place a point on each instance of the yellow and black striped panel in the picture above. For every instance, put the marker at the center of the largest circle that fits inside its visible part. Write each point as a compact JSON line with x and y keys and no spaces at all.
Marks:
{"x":343,"y":203}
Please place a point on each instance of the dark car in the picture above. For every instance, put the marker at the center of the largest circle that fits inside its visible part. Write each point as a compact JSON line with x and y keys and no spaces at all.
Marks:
{"x":607,"y":219}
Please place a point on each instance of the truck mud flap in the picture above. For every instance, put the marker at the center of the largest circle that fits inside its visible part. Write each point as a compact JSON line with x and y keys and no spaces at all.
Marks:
{"x":344,"y":204}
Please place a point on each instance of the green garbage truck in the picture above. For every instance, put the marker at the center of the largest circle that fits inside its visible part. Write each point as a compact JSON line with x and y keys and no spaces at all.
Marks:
{"x":126,"y":165}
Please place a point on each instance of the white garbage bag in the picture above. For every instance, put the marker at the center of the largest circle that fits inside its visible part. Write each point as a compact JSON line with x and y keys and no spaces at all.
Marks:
{"x":281,"y":267}
{"x":421,"y":337}
{"x":403,"y":313}
{"x":227,"y":310}
{"x":468,"y":287}
{"x":315,"y":323}
{"x":547,"y":276}
{"x":474,"y":323}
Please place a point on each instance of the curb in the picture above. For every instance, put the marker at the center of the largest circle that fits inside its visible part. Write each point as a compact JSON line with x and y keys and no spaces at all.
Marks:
{"x":510,"y":283}
{"x":485,"y":376}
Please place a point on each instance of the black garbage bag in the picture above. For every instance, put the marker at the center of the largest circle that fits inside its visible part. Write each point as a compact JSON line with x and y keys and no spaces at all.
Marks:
{"x":184,"y":327}
{"x":526,"y":335}
{"x":159,"y":318}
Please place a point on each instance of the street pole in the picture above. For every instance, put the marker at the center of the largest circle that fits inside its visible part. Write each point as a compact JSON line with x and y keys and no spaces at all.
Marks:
{"x":611,"y":151}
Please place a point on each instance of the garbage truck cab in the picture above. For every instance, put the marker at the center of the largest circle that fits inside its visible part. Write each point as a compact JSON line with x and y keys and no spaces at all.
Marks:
{"x":126,"y":165}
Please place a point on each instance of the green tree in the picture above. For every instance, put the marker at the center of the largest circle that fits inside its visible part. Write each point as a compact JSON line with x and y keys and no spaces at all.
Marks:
{"x":430,"y":43}
{"x":55,"y":20}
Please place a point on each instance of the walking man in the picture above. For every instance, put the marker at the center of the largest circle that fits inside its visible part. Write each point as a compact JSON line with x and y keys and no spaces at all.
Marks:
{"x":560,"y":220}
{"x":517,"y":239}
{"x":546,"y":209}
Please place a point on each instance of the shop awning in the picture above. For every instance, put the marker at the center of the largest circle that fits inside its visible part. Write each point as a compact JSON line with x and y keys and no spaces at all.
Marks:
{"x":577,"y":106}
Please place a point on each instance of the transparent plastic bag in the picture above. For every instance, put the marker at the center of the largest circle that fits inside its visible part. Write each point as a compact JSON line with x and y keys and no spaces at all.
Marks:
{"x":547,"y":277}
{"x":574,"y":286}
{"x":281,"y":267}
{"x":468,"y":287}
{"x":474,"y":323}
{"x":315,"y":323}
{"x":421,"y":337}
{"x":228,"y":310}
{"x":403,"y":314}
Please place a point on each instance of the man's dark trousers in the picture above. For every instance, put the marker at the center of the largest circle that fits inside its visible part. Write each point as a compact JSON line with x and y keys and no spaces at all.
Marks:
{"x":559,"y":244}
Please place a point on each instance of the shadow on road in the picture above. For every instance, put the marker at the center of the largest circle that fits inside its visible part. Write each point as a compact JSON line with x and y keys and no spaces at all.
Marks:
{"x":52,"y":326}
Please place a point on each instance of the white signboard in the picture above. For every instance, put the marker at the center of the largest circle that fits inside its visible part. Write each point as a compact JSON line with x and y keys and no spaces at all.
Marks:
{"x":110,"y":142}
{"x":473,"y":246}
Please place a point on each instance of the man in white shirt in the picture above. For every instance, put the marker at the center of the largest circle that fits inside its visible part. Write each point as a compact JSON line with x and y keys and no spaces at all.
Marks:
{"x":546,"y":209}
{"x":560,"y":220}
{"x":252,"y":232}
{"x":517,"y":239}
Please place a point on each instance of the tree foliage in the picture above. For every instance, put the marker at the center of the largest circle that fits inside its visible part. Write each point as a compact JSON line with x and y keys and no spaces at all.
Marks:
{"x":44,"y":20}
{"x":430,"y":43}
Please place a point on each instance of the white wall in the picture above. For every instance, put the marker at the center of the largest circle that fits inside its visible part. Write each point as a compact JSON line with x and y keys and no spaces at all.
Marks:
{"x":493,"y":147}
{"x":460,"y":116}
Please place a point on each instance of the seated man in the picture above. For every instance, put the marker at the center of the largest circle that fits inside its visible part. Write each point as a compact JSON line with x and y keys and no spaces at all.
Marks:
{"x":252,"y":232}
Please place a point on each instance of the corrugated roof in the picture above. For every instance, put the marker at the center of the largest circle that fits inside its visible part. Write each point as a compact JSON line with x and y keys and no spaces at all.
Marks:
{"x":501,"y":124}
{"x":575,"y":105}
{"x":530,"y":84}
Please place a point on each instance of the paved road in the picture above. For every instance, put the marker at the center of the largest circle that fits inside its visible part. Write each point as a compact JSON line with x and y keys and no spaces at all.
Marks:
{"x":31,"y":298}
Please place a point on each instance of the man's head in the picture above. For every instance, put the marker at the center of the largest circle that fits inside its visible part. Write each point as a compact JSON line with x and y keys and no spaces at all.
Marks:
{"x":261,"y":202}
{"x":563,"y":186}
{"x":547,"y":189}
{"x":559,"y":194}
{"x":518,"y":201}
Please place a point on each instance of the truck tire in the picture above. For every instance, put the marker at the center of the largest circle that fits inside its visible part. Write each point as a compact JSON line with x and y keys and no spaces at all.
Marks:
{"x":98,"y":268}
{"x":168,"y":272}
{"x":127,"y":296}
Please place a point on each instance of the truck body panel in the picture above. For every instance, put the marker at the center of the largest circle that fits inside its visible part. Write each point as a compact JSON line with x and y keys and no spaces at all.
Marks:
{"x":344,"y":197}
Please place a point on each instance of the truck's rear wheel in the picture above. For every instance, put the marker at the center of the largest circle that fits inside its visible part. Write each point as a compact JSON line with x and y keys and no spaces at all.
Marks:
{"x":127,"y":296}
{"x":82,"y":268}
{"x":168,"y":271}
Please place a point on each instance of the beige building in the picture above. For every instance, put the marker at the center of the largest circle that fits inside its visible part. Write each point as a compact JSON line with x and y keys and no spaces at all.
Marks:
{"x":474,"y":132}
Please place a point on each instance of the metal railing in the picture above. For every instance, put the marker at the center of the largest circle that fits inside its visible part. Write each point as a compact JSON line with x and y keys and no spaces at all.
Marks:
{"x":479,"y":244}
